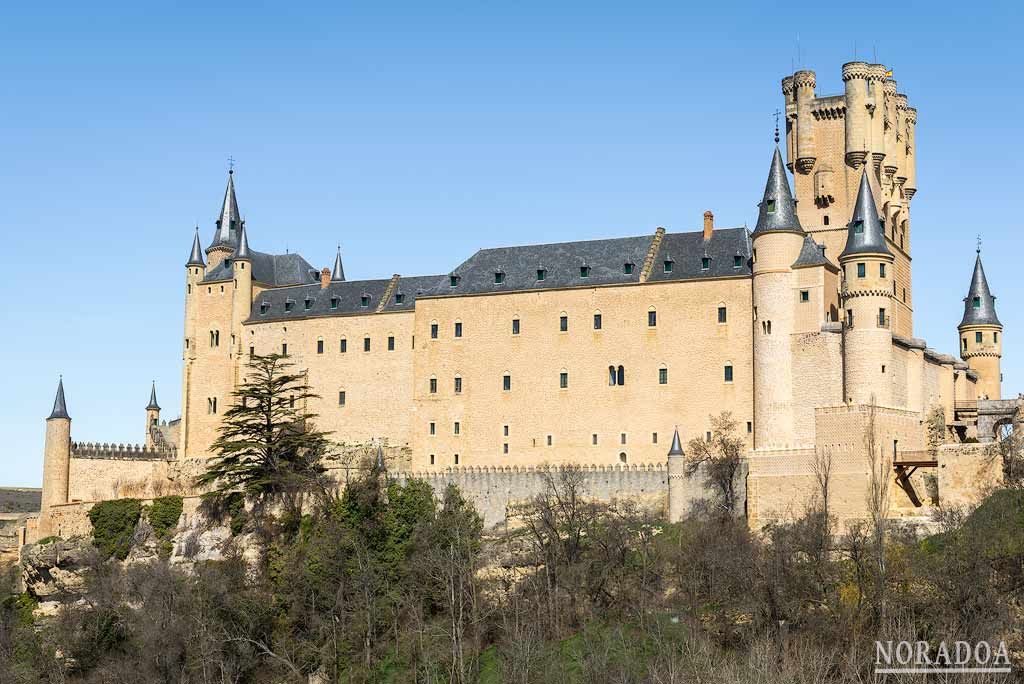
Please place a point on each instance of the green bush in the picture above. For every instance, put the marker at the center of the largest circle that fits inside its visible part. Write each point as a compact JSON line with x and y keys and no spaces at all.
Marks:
{"x":47,"y":540}
{"x":235,"y":506}
{"x":113,"y":523}
{"x":164,"y":514}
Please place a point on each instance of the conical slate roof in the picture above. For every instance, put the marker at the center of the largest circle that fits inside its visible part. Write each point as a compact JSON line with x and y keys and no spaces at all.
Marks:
{"x":229,"y":224}
{"x":812,"y":254}
{"x":339,"y":272}
{"x":152,"y":405}
{"x":196,"y":258}
{"x":777,"y":210}
{"x":677,"y":447}
{"x":242,"y":250}
{"x":865,"y":233}
{"x":60,"y":408}
{"x":979,"y":304}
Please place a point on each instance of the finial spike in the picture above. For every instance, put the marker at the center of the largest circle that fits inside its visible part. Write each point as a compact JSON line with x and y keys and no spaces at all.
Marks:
{"x":978,"y":250}
{"x":777,"y":112}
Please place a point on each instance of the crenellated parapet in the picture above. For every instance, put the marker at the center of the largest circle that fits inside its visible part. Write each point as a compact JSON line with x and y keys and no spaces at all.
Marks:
{"x":122,"y":452}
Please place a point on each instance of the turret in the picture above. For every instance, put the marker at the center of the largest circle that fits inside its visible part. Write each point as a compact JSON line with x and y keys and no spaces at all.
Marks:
{"x":857,"y":120}
{"x":981,"y":334}
{"x":876,"y":114}
{"x":676,"y":479}
{"x":56,"y":461}
{"x":901,"y":144}
{"x":229,"y":226}
{"x":777,"y":241}
{"x":910,"y":186}
{"x":806,"y":155}
{"x":338,"y":274}
{"x":867,"y":289}
{"x":152,"y":416}
{"x":890,"y":135}
{"x":241,"y":303}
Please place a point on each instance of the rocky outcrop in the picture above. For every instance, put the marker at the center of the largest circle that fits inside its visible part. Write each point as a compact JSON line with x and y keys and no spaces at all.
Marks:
{"x":55,"y":572}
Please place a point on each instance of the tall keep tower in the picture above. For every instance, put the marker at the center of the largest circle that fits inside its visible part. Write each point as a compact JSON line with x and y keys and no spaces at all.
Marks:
{"x":56,"y":461}
{"x":831,"y":140}
{"x":981,"y":334}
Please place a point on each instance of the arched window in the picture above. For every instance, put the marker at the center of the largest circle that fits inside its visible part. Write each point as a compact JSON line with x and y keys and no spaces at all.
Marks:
{"x":652,"y":317}
{"x":620,"y":376}
{"x":612,"y":376}
{"x":622,"y":457}
{"x":663,"y":374}
{"x":563,"y":322}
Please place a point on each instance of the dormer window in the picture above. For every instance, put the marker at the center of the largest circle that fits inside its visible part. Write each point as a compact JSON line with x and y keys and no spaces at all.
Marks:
{"x":308,"y":303}
{"x":628,"y":267}
{"x":770,"y":207}
{"x":737,"y":261}
{"x":399,"y":298}
{"x":499,"y":277}
{"x":542,"y":273}
{"x":858,"y":227}
{"x":705,"y":263}
{"x":584,"y":271}
{"x":976,"y":302}
{"x":289,"y":305}
{"x":364,"y":301}
{"x":453,"y":280}
{"x":264,"y":308}
{"x":669,"y":265}
{"x":334,"y":302}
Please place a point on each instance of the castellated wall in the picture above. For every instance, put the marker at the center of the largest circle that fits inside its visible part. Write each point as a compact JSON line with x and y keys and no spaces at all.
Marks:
{"x":101,"y":471}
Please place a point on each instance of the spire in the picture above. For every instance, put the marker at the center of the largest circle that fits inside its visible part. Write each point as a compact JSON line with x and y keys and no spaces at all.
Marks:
{"x":153,"y":406}
{"x":980,"y":304}
{"x":229,"y":224}
{"x":196,"y":258}
{"x":777,"y":210}
{"x":677,"y":447}
{"x":339,"y":272}
{"x":242,"y":250}
{"x":60,"y":408}
{"x":865,"y":234}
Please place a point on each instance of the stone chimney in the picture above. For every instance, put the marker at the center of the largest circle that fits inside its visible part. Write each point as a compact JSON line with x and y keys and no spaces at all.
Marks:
{"x":325,"y":278}
{"x":709,"y":225}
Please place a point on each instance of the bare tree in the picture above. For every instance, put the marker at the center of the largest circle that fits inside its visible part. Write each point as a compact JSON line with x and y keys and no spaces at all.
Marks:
{"x":880,"y":469}
{"x":718,"y":458}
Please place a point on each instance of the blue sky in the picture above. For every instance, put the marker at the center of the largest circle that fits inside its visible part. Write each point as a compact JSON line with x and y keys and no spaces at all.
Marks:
{"x":416,"y":133}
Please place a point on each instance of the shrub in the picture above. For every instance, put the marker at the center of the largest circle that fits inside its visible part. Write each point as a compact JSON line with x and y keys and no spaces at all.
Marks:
{"x":235,"y":506}
{"x":47,"y":540}
{"x":113,"y":523}
{"x":164,"y":514}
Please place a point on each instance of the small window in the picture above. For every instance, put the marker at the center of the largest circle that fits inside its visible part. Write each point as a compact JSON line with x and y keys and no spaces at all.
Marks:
{"x":505,"y":430}
{"x":284,"y":349}
{"x":728,"y":373}
{"x":622,"y":457}
{"x":433,"y":428}
{"x":723,"y":314}
{"x":627,"y":268}
{"x":593,"y":439}
{"x":457,"y":429}
{"x":506,"y":382}
{"x":456,"y":459}
{"x":188,"y":288}
{"x":805,"y":296}
{"x":584,"y":271}
{"x":976,"y":302}
{"x":824,"y":219}
{"x":654,"y":438}
{"x":597,"y":321}
{"x":563,"y":380}
{"x":663,"y":376}
{"x":862,"y":270}
{"x":669,"y":265}
{"x":612,"y":376}
{"x":750,"y":425}
{"x":264,"y":308}
{"x":399,"y":298}
{"x":705,"y":263}
{"x":391,"y":343}
{"x":289,"y":305}
{"x":343,"y":347}
{"x":542,"y":273}
{"x":622,"y":438}
{"x":504,"y":448}
{"x":432,"y":459}
{"x":964,"y":340}
{"x":499,"y":277}
{"x":458,"y":329}
{"x":433,"y":331}
{"x":458,"y":385}
{"x":364,"y":301}
{"x":366,"y":344}
{"x":433,"y":385}
{"x":652,"y":319}
{"x":341,"y":398}
{"x":515,"y":326}
{"x":883,"y":322}
{"x":308,"y":303}
{"x":252,"y":352}
{"x":881,"y":270}
{"x":453,"y":280}
{"x":550,"y":440}
{"x":858,"y":227}
{"x":995,"y":337}
{"x":620,"y":376}
{"x":978,"y":337}
{"x":334,"y":303}
{"x":319,"y":346}
{"x":737,"y":261}
{"x":563,"y":323}
{"x":770,"y":206}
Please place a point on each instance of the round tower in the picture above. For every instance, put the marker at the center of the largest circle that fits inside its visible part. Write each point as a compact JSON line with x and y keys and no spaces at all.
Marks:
{"x":56,"y":462}
{"x":855,"y":79}
{"x":981,"y":334}
{"x":777,"y":241}
{"x":152,"y":416}
{"x":806,"y":156}
{"x":876,"y":114}
{"x":890,"y":135}
{"x":241,"y":302}
{"x":901,"y":144}
{"x":676,"y":480}
{"x":867,"y":291}
{"x":789,"y":97}
{"x":910,"y":186}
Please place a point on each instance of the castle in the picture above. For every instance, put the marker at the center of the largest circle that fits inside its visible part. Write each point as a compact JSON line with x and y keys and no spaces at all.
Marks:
{"x":599,"y":352}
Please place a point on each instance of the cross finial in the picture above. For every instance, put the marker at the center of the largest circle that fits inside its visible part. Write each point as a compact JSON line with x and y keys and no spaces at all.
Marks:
{"x":777,"y":113}
{"x":978,"y":250}
{"x":231,"y":164}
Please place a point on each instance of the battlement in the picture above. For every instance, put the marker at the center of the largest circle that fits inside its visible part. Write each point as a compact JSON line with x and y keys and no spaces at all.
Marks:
{"x":457,"y":471}
{"x":122,"y":452}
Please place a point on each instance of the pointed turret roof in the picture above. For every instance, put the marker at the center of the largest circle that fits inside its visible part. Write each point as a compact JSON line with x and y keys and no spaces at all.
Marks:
{"x":677,"y":447}
{"x":60,"y":408}
{"x":152,"y":405}
{"x":777,"y":210}
{"x":339,"y":273}
{"x":865,"y":233}
{"x":979,"y":304}
{"x":242,"y":250}
{"x":196,"y":257}
{"x":229,"y":223}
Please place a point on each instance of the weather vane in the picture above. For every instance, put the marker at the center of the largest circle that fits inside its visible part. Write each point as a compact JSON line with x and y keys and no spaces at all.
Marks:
{"x":777,"y":112}
{"x":231,"y":164}
{"x":978,"y":250}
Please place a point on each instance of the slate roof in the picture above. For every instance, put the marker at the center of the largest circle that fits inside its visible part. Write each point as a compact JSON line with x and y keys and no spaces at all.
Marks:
{"x":687,"y":252}
{"x":229,"y":223}
{"x":270,"y":304}
{"x":777,"y":209}
{"x":812,"y":254}
{"x":865,"y":234}
{"x":152,"y":405}
{"x":196,"y":257}
{"x":278,"y":270}
{"x":60,"y":407}
{"x":985,"y":313}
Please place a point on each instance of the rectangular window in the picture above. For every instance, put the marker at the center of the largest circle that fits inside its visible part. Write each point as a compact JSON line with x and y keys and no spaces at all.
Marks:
{"x":668,"y":265}
{"x":334,"y":302}
{"x":433,"y":385}
{"x":584,"y":271}
{"x":965,"y":343}
{"x":252,"y":352}
{"x":723,"y":314}
{"x":344,"y":345}
{"x":364,"y":301}
{"x":622,"y":438}
{"x":458,"y":385}
{"x":750,"y":427}
{"x":433,"y":428}
{"x":399,"y":297}
{"x":728,"y":373}
{"x":433,"y":331}
{"x":882,"y":322}
{"x":597,"y":321}
{"x":627,"y":268}
{"x":995,"y":337}
{"x":504,"y":448}
{"x":432,"y":459}
{"x":505,"y":429}
{"x":264,"y":308}
{"x":319,"y":346}
{"x":705,"y":263}
{"x":563,"y":323}
{"x":737,"y":261}
{"x":593,"y":439}
{"x":805,"y":296}
{"x":366,"y":344}
{"x":457,"y":429}
{"x":308,"y":304}
{"x":849,"y":318}
{"x":663,"y":376}
{"x":515,"y":326}
{"x":542,"y":273}
{"x":550,"y":440}
{"x":862,"y":270}
{"x":770,"y":206}
{"x":289,"y":305}
{"x":341,"y":398}
{"x":391,"y":343}
{"x":506,"y":382}
{"x":499,"y":277}
{"x":456,"y":459}
{"x":453,"y":280}
{"x":458,"y":329}
{"x":652,"y":319}
{"x":563,"y":380}
{"x":654,"y":438}
{"x":284,"y":349}
{"x":976,"y":302}
{"x":977,"y":337}
{"x":881,"y":270}
{"x":858,"y":227}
